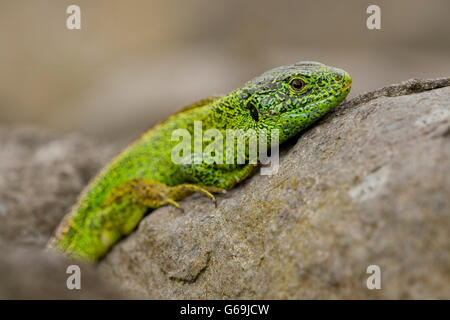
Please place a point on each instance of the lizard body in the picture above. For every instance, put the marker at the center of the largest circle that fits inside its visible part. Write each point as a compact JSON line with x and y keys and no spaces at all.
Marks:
{"x":144,"y":177}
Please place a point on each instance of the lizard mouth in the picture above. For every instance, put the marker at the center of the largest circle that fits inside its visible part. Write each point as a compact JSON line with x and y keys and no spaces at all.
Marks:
{"x":347,"y":83}
{"x":341,"y":95}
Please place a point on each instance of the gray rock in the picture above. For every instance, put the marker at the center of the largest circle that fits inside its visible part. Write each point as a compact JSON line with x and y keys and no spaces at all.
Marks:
{"x":34,"y":274}
{"x":369,"y":185}
{"x":41,"y":175}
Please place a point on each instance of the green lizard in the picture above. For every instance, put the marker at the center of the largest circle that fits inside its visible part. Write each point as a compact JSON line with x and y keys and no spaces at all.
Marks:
{"x":144,"y":177}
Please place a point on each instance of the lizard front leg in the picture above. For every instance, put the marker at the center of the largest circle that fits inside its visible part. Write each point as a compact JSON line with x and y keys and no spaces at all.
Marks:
{"x":154,"y":194}
{"x":120,"y":214}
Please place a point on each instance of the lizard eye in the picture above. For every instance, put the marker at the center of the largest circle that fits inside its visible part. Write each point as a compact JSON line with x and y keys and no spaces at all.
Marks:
{"x":297,"y":84}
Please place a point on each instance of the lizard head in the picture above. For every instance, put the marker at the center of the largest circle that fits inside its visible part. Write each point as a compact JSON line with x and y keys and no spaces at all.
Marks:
{"x":292,"y":97}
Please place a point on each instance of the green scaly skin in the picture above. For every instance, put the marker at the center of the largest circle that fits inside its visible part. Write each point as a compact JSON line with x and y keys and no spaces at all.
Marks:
{"x":143,"y":177}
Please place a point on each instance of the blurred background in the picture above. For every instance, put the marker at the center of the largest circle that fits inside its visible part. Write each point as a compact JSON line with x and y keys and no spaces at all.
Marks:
{"x":136,"y":61}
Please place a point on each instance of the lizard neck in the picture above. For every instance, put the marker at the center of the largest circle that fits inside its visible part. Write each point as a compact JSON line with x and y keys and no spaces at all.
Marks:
{"x":231,"y":112}
{"x":235,"y":111}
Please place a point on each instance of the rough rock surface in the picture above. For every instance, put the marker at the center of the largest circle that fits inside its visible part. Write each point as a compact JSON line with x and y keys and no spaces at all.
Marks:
{"x":368,"y":185}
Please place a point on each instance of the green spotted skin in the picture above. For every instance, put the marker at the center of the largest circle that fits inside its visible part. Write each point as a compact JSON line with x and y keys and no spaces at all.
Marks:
{"x":143,"y":177}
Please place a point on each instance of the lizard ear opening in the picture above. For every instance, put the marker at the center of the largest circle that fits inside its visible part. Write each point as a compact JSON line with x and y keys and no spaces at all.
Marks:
{"x":253,"y":111}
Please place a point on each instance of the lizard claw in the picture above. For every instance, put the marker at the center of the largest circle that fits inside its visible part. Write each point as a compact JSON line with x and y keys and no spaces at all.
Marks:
{"x":175,"y":204}
{"x":210,"y":195}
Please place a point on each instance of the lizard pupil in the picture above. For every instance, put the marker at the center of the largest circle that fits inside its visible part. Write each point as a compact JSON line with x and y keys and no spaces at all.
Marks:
{"x":297,"y":84}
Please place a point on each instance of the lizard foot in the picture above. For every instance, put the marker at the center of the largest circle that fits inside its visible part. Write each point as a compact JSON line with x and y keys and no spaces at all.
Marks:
{"x":184,"y":190}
